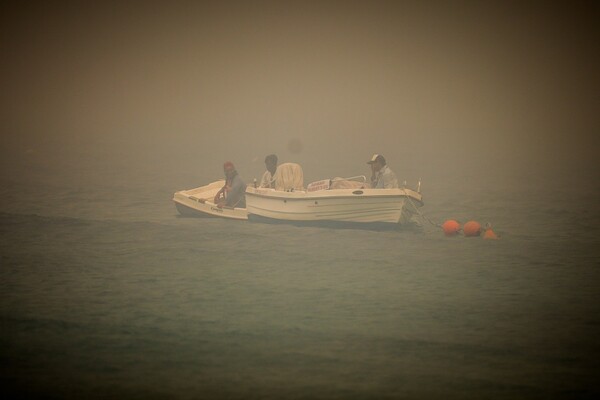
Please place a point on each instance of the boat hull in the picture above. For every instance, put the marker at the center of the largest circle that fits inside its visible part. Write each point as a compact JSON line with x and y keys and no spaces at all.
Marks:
{"x":198,"y":202}
{"x":346,"y":206}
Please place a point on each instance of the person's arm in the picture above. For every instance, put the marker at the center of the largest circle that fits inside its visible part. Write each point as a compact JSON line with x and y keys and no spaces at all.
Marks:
{"x":219,"y":195}
{"x":374,"y":180}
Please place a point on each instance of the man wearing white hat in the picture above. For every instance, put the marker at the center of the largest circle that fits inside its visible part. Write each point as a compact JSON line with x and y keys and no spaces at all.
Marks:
{"x":382,"y":176}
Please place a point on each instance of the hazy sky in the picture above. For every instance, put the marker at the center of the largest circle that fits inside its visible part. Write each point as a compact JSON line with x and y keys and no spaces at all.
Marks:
{"x":431,"y":85}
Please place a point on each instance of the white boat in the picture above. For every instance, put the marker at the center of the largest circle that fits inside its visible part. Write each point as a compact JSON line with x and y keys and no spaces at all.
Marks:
{"x":331,"y":202}
{"x":200,"y":202}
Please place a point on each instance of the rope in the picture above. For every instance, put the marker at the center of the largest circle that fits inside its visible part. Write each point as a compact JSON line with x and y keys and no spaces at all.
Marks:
{"x":420,"y":213}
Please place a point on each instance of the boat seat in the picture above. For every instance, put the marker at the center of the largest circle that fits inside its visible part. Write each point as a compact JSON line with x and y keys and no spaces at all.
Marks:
{"x":289,"y":176}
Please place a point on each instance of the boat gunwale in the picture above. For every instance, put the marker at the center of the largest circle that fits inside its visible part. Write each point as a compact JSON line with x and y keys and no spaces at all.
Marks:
{"x":281,"y":195}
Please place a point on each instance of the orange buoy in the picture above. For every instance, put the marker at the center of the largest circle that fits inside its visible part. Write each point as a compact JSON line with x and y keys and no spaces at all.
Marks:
{"x":489,"y":233}
{"x":472,"y":228}
{"x":450,"y":227}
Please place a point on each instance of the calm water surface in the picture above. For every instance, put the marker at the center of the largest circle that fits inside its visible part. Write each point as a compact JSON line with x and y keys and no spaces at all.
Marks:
{"x":107,"y":293}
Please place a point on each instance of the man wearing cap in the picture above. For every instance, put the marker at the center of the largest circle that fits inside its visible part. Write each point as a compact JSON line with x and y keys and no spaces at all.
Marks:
{"x":382,"y":176}
{"x":233,"y":194}
{"x":267,"y":180}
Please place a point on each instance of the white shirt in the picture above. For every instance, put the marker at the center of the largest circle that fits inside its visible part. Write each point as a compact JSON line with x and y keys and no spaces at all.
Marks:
{"x":267,"y":180}
{"x":384,"y":179}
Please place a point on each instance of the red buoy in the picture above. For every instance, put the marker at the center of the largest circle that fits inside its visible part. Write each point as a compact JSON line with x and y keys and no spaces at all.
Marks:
{"x":472,"y":228}
{"x":489,"y":233}
{"x":450,"y":227}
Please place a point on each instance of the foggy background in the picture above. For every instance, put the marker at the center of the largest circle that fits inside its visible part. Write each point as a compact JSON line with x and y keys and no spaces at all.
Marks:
{"x":162,"y":93}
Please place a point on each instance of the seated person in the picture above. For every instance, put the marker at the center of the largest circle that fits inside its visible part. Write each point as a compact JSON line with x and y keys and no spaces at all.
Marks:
{"x":268,"y":180}
{"x":233,"y":194}
{"x":382,"y":176}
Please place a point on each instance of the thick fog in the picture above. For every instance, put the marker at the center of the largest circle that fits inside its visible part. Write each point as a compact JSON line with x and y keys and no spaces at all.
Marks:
{"x":439,"y":88}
